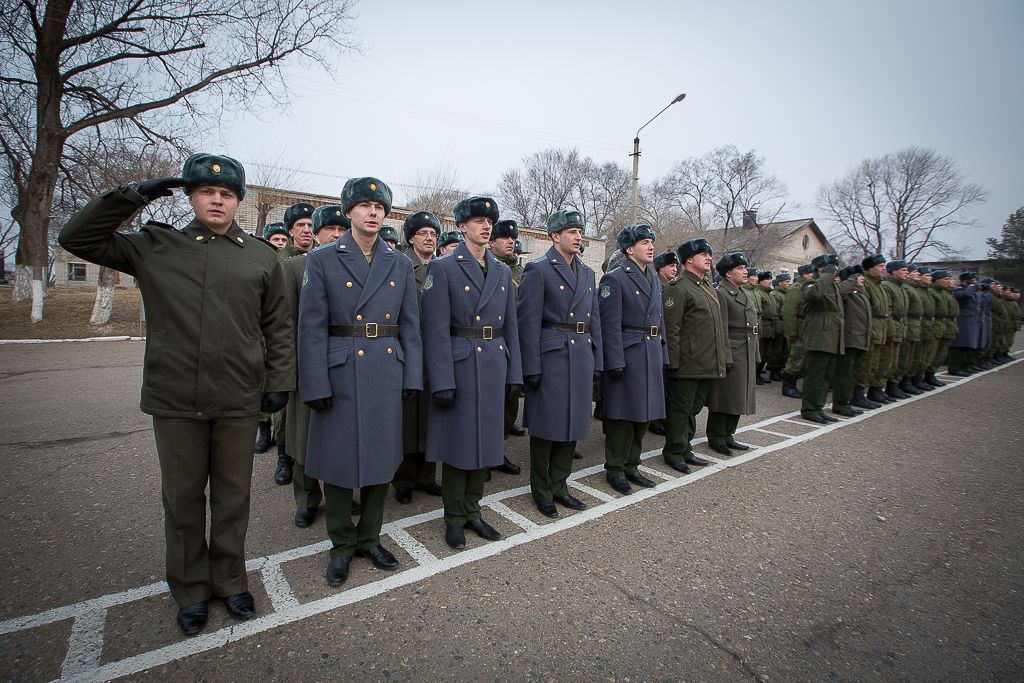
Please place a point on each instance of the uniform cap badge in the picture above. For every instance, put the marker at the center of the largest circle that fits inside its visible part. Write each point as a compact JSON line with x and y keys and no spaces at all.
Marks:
{"x":373,"y":186}
{"x":216,"y":168}
{"x":487,"y":204}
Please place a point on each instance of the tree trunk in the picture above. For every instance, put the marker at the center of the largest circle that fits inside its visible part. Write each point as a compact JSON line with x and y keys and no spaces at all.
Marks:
{"x":104,"y":305}
{"x":22,"y":283}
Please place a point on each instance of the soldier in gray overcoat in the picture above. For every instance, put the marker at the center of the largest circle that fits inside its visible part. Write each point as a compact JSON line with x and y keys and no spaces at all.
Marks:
{"x":733,"y":395}
{"x":963,"y":349}
{"x":559,"y":333}
{"x":359,"y":358}
{"x":471,"y":346}
{"x":635,"y":354}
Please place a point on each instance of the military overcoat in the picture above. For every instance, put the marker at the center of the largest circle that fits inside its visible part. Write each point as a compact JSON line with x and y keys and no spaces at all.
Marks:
{"x":415,"y":413}
{"x":792,"y":308}
{"x":824,"y":320}
{"x":952,"y":313}
{"x":358,"y":441}
{"x":296,"y":426}
{"x":627,"y":300}
{"x":928,"y":324}
{"x":209,"y":299}
{"x":985,"y":313}
{"x":968,"y":320}
{"x":734,"y":393}
{"x":881,"y":309}
{"x":768,"y":311}
{"x":898,"y":303}
{"x":698,"y":346}
{"x":470,"y":434}
{"x":778,"y":297}
{"x":915,"y":310}
{"x":856,"y":317}
{"x":559,"y":409}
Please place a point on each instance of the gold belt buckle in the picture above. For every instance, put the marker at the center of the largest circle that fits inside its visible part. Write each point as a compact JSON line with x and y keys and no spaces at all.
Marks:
{"x":488,"y":332}
{"x":581,"y":328}
{"x":755,"y":329}
{"x":374,"y":335}
{"x":654,"y":330}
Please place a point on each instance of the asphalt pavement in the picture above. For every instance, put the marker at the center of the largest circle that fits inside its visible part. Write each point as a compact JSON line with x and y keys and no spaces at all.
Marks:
{"x":887,"y":547}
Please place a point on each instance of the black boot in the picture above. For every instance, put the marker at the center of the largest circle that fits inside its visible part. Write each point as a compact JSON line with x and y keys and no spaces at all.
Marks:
{"x":918,"y":381}
{"x":774,"y":374}
{"x":759,"y":379}
{"x":263,"y":441}
{"x":929,"y":378}
{"x":789,"y":386}
{"x":878,"y":396}
{"x":907,"y":388}
{"x":859,"y":401}
{"x":283,"y":475}
{"x":892,"y":390}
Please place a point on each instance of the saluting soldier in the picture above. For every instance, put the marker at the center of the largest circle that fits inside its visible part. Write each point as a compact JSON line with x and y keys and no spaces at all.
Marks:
{"x":329,"y":223}
{"x":963,"y":349}
{"x":447,"y":242}
{"x":421,"y":230}
{"x":824,"y":338}
{"x":698,"y":351}
{"x":926,"y":348}
{"x":560,"y":340}
{"x":881,"y":311}
{"x":634,"y":351}
{"x":846,"y":398}
{"x":888,"y":363}
{"x":793,"y":320}
{"x":359,"y":358}
{"x":768,"y":315}
{"x":211,"y":290}
{"x":910,"y":354}
{"x":471,"y":345}
{"x":947,"y":310}
{"x":780,"y":350}
{"x":502,"y":245}
{"x":731,"y":396}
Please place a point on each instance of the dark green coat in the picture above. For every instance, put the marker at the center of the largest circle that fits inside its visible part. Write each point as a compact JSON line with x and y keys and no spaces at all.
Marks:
{"x":915,"y":310}
{"x":897,"y":326}
{"x":697,"y":346}
{"x":208,"y":298}
{"x":414,"y":413}
{"x":779,"y":297}
{"x":792,"y":310}
{"x":928,"y":324}
{"x":881,"y":309}
{"x":824,"y":323}
{"x":952,"y":312}
{"x":856,"y":315}
{"x":768,"y":313}
{"x":734,"y":393}
{"x":297,"y":415}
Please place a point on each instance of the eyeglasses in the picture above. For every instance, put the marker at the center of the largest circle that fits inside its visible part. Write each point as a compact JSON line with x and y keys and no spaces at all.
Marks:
{"x":426,"y":232}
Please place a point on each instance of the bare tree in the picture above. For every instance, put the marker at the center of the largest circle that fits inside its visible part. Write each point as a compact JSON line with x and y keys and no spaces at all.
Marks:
{"x":436,"y":189}
{"x":900,"y":204}
{"x":112,"y":66}
{"x":268,"y":175}
{"x":550,"y":179}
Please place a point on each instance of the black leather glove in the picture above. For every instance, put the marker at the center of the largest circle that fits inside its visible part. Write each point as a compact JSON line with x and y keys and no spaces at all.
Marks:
{"x":532,"y":381}
{"x":728,"y":368}
{"x":443,"y":399}
{"x":830,"y":269}
{"x":513,"y":390}
{"x":410,"y":394}
{"x":597,"y":375}
{"x":159,"y":187}
{"x":616,"y":373}
{"x":319,"y":403}
{"x":273,"y":401}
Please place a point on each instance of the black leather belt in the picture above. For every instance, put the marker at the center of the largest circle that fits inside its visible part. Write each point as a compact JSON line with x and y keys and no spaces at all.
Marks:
{"x":897,"y":320}
{"x":578,"y":328}
{"x":743,"y":330}
{"x":369,"y":330}
{"x":477,"y":332}
{"x":630,"y":329}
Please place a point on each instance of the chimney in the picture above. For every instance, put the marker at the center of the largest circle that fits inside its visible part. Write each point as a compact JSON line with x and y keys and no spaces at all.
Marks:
{"x":749,"y":220}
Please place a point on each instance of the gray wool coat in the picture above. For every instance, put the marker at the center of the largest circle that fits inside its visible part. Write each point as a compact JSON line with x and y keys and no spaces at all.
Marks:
{"x":559,"y":409}
{"x":968,"y":322}
{"x":734,"y":393}
{"x":296,"y":426}
{"x":358,"y":441}
{"x":627,"y":299}
{"x":470,"y":434}
{"x":985,"y":310}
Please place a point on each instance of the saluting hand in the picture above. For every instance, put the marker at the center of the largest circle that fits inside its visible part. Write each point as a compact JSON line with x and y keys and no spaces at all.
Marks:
{"x":159,"y":187}
{"x":443,"y":399}
{"x":273,"y":401}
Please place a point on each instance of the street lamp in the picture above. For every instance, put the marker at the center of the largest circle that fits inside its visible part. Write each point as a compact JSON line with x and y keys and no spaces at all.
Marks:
{"x":636,"y":150}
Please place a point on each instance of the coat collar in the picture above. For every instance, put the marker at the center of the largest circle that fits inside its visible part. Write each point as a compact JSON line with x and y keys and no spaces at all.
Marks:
{"x":562,"y":267}
{"x":197,"y":229}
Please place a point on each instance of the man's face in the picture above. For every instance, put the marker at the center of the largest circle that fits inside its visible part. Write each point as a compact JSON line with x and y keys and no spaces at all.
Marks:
{"x":670,"y":271}
{"x":699,"y":263}
{"x":900,"y":273}
{"x":214,"y":206}
{"x":449,"y":248}
{"x":302,"y":233}
{"x":329,"y":233}
{"x":477,"y":230}
{"x":568,"y":241}
{"x":423,"y":242}
{"x":752,"y":279}
{"x":642,"y":252}
{"x":366,"y":217}
{"x":394,"y":244}
{"x":503,"y":246}
{"x":877,"y":270}
{"x":278,"y":240}
{"x":766,"y":283}
{"x":997,"y":288}
{"x":785,"y":284}
{"x":737,"y":275}
{"x":948,"y":282}
{"x":914,"y":276}
{"x":926,"y":278}
{"x":860,"y":280}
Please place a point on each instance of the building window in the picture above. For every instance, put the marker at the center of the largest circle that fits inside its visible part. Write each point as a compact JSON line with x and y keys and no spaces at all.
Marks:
{"x":807,"y":241}
{"x":76,"y":272}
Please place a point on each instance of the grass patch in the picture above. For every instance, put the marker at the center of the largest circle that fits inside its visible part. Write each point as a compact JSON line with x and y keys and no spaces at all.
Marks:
{"x":66,"y":314}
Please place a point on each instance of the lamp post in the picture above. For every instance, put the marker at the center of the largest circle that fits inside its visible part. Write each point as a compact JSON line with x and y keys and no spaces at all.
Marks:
{"x":636,"y":151}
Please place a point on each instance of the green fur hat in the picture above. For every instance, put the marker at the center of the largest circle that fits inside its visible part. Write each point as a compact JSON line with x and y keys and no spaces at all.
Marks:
{"x":730,"y":261}
{"x":296,"y":212}
{"x":450,"y":237}
{"x":691,"y":248}
{"x":583,"y":248}
{"x":211,"y":169}
{"x":752,"y":270}
{"x":505,"y":228}
{"x":358,"y":190}
{"x":764,"y":275}
{"x":389,"y":233}
{"x":271,"y":229}
{"x":924,"y":270}
{"x":519,"y":247}
{"x":805,"y":269}
{"x":631,"y":234}
{"x":472,"y":207}
{"x":941,"y":274}
{"x":782,"y":277}
{"x":665,"y":258}
{"x":872,"y":261}
{"x":330,"y":215}
{"x":418,"y":221}
{"x":819,"y":261}
{"x":895,"y":265}
{"x":563,"y":220}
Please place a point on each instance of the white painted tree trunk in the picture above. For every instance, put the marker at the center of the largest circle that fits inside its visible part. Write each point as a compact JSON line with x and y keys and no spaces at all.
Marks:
{"x":38,"y":292}
{"x":22,"y":283}
{"x":104,"y":305}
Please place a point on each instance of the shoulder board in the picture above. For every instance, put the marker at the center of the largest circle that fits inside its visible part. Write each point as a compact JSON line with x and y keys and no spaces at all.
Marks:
{"x":539,"y":260}
{"x":158,"y":224}
{"x":443,"y":257}
{"x":263,"y":241}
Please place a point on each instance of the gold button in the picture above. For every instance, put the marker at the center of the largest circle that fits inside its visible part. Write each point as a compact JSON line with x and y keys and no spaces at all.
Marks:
{"x":590,"y":340}
{"x":478,"y":317}
{"x":239,"y":239}
{"x":561,"y":286}
{"x":467,"y":288}
{"x":392,"y":284}
{"x":499,"y":317}
{"x":503,"y":289}
{"x":360,"y":353}
{"x":359,"y":317}
{"x":648,"y":339}
{"x":198,"y":238}
{"x":389,"y":350}
{"x":348,"y":284}
{"x":213,"y":237}
{"x":479,"y":349}
{"x":588,"y":315}
{"x":572,"y":341}
{"x":570,"y":315}
{"x":388,"y":316}
{"x":344,"y":246}
{"x":460,"y":255}
{"x":500,"y":347}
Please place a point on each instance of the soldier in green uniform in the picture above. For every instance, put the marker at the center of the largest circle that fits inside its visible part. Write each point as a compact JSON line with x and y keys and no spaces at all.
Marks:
{"x":1001,"y":325}
{"x":905,"y":370}
{"x":277,"y":235}
{"x":926,"y":347}
{"x":448,"y":241}
{"x":941,"y":291}
{"x":698,"y":351}
{"x":780,"y":350}
{"x":389,"y":234}
{"x":768,"y":317}
{"x":881,"y":312}
{"x":793,"y":320}
{"x":502,"y":245}
{"x":888,"y":362}
{"x":856,"y":341}
{"x":824,"y":338}
{"x":211,"y":290}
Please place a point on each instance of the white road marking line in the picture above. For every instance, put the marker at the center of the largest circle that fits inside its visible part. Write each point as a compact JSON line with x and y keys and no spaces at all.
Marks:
{"x":591,"y":491}
{"x":417,"y":550}
{"x":802,"y":424}
{"x":209,"y":641}
{"x":513,"y":516}
{"x":277,"y":587}
{"x":656,"y":473}
{"x":85,"y":644}
{"x":784,"y":436}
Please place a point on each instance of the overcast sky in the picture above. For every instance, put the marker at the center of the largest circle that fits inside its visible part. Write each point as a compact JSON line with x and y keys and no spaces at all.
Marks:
{"x":813,"y":87}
